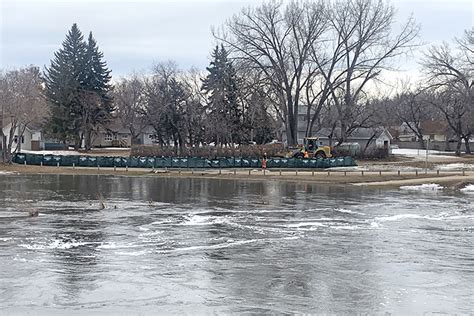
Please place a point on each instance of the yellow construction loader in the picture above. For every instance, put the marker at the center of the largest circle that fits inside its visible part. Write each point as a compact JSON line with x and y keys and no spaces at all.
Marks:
{"x":311,"y":149}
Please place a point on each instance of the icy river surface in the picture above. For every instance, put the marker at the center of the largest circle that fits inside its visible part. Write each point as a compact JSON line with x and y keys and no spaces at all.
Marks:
{"x":204,"y":246}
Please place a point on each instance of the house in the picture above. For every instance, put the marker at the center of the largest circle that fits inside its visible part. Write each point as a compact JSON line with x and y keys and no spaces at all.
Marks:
{"x":435,"y":131}
{"x":147,"y":136}
{"x":30,"y":140}
{"x":115,"y":134}
{"x":303,"y":124}
{"x":361,"y":140}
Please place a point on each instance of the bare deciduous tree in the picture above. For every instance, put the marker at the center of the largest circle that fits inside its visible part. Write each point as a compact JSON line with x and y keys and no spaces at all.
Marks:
{"x":129,"y":98}
{"x":277,"y":40}
{"x":363,"y":44}
{"x":450,"y":76}
{"x":21,"y":105}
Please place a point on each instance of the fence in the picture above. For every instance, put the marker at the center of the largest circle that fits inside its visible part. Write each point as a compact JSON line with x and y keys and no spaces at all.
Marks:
{"x":188,"y":162}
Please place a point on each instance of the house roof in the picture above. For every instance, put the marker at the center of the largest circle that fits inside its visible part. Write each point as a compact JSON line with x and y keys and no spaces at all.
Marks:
{"x":434,"y":127}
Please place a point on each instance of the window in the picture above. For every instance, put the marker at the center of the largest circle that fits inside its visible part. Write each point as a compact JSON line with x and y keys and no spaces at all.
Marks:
{"x":108,"y":137}
{"x":124,"y":136}
{"x":150,"y":136}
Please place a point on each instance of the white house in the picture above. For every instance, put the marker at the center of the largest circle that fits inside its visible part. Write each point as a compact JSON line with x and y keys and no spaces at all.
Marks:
{"x":30,"y":140}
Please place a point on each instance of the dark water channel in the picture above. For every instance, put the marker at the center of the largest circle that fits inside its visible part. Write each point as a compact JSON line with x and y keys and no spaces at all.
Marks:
{"x":217,"y":246}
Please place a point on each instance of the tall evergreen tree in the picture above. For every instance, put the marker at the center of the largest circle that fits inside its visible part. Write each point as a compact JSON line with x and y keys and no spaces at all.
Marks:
{"x":78,"y":90}
{"x":63,"y":85}
{"x":225,"y":114}
{"x":97,"y":103}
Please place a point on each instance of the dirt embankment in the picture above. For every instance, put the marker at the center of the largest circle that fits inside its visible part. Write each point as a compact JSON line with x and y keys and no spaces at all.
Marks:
{"x":388,"y":178}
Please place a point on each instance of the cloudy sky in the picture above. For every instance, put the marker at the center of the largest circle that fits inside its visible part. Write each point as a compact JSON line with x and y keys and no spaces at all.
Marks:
{"x":135,"y":34}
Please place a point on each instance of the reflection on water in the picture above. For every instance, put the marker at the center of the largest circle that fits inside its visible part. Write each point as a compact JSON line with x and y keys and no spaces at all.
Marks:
{"x":219,"y":246}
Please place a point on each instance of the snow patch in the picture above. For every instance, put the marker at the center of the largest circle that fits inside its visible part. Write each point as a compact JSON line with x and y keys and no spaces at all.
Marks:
{"x":455,"y":166}
{"x":52,"y":152}
{"x":422,"y":187}
{"x":468,"y":188}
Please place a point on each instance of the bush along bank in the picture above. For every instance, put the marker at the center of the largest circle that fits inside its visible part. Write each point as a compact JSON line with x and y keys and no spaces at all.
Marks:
{"x":179,"y":162}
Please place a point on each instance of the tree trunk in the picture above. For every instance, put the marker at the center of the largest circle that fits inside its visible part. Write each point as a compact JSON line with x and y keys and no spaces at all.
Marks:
{"x":466,"y":144}
{"x":422,"y":143}
{"x":87,"y":140}
{"x":458,"y":147}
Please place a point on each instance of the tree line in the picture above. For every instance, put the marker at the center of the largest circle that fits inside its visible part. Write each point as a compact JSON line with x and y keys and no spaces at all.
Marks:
{"x":274,"y":64}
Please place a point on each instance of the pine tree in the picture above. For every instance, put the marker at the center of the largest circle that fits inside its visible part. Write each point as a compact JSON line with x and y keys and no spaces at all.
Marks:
{"x":63,"y":84}
{"x":78,"y":88}
{"x":225,"y":115}
{"x":97,"y":104}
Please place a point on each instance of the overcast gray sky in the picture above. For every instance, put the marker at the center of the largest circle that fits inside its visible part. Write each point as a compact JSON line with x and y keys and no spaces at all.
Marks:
{"x":135,"y":34}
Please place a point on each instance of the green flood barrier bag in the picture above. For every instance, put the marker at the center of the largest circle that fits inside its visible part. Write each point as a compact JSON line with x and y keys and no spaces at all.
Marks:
{"x":312,"y":163}
{"x":19,"y":158}
{"x":227,"y":162}
{"x":34,"y":159}
{"x":349,"y":161}
{"x":215,"y":163}
{"x":304,"y":163}
{"x":105,"y":161}
{"x":87,"y":161}
{"x":142,"y":162}
{"x":238,"y":162}
{"x":150,"y":162}
{"x":179,"y":162}
{"x":245,"y":163}
{"x":51,"y":160}
{"x":70,"y":161}
{"x":160,"y":162}
{"x":340,"y":162}
{"x":273,"y":163}
{"x":255,"y":163}
{"x":120,"y":162}
{"x":133,"y":162}
{"x":202,"y":163}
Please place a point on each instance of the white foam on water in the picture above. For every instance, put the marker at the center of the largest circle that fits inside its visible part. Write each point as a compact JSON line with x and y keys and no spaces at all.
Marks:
{"x":375,"y":225}
{"x":113,"y":245}
{"x":343,"y":210}
{"x":422,"y":187}
{"x":143,"y":228}
{"x":5,"y":172}
{"x":197,"y":220}
{"x":55,"y":244}
{"x":399,"y":217}
{"x":347,"y":227}
{"x":310,"y":225}
{"x":468,"y":188}
{"x":20,"y":259}
{"x":229,"y":243}
{"x":133,"y":253}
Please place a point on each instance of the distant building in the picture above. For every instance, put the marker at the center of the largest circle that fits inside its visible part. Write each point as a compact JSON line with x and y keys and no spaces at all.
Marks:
{"x":367,"y":139}
{"x":30,"y":140}
{"x":115,"y":134}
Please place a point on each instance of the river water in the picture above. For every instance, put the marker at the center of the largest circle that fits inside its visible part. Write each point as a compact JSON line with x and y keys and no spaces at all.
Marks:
{"x":196,"y":246}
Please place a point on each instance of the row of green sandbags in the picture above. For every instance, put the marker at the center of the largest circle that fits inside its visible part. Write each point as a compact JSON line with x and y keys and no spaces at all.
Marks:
{"x":191,"y":162}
